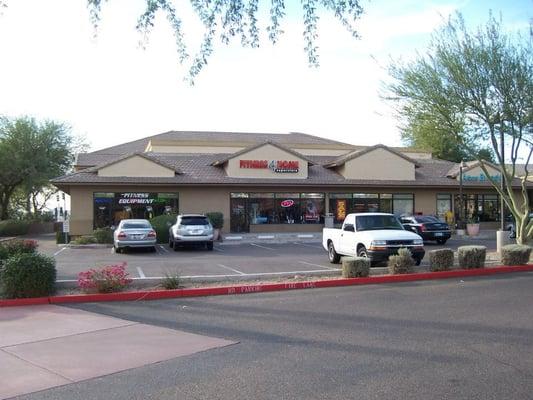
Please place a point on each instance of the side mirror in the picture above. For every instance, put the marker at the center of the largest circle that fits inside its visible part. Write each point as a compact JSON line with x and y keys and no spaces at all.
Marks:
{"x":349,"y":228}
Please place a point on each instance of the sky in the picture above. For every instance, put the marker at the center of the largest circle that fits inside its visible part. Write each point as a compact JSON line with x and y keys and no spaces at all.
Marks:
{"x":110,"y":90}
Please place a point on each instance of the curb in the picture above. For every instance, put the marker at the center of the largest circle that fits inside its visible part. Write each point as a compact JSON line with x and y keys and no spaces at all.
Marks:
{"x":271,"y":287}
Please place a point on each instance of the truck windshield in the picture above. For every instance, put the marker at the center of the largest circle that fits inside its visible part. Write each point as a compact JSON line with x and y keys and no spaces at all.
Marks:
{"x":377,"y":222}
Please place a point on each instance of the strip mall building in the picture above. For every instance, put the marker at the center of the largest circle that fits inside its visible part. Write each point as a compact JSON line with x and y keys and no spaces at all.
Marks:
{"x":267,"y":182}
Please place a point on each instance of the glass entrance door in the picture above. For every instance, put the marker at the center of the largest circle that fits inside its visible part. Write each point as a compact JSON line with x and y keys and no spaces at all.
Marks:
{"x":239,"y":221}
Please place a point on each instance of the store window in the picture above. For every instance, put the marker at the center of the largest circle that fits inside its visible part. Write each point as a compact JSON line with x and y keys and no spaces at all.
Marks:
{"x":111,"y":208}
{"x":365,"y":202}
{"x":275,"y":208}
{"x":385,"y":202}
{"x":262,"y":208}
{"x":403,"y":203}
{"x":478,"y":207}
{"x":341,"y":204}
{"x":444,"y":205}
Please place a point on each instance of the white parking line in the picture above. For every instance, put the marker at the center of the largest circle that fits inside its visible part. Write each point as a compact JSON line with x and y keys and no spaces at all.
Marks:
{"x":263,"y":247}
{"x":309,"y":245}
{"x":317,"y":265}
{"x":231,"y":269}
{"x":140,"y":272}
{"x":59,"y":251}
{"x":163,"y":248}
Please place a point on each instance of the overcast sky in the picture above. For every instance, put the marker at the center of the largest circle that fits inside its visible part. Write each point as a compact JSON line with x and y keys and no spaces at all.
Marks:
{"x":112,"y":91}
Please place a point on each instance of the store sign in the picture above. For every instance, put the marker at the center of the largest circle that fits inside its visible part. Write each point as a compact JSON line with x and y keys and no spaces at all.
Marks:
{"x":287,"y":203}
{"x":278,"y":166}
{"x":341,"y":210}
{"x":137,"y":198}
{"x":480,"y":178}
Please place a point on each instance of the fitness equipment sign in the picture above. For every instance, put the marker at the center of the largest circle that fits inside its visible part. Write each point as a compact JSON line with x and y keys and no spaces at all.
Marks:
{"x":278,"y":166}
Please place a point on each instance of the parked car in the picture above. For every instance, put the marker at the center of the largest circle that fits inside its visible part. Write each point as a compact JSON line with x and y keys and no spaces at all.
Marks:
{"x":191,"y":229}
{"x":428,"y":227}
{"x":372,"y":235}
{"x":134,"y":233}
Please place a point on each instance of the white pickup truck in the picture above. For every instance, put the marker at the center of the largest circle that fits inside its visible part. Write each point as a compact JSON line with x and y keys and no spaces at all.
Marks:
{"x":372,"y":235}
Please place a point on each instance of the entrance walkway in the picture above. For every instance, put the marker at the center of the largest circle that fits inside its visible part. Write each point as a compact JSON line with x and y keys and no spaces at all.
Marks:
{"x":47,"y":346}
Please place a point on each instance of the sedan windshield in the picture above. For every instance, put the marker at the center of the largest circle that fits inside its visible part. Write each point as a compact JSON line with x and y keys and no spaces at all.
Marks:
{"x":377,"y":222}
{"x":427,"y":219}
{"x":194,"y":221}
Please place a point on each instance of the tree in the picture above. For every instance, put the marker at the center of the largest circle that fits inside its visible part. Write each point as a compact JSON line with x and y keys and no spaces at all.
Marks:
{"x":478,"y":87}
{"x":31,"y":153}
{"x":228,"y":19}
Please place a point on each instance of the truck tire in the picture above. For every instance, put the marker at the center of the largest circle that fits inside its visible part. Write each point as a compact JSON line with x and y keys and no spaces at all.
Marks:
{"x":334,"y":258}
{"x":361,"y":252}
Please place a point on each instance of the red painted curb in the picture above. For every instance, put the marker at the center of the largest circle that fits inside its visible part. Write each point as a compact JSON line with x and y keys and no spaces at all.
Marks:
{"x":270,"y":287}
{"x":24,"y":302}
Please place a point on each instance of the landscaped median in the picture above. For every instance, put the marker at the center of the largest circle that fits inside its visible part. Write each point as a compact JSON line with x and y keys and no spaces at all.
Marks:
{"x":265,"y":287}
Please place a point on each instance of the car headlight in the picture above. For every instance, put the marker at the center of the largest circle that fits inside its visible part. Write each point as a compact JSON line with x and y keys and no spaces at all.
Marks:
{"x":378,"y":243}
{"x":418,"y":242}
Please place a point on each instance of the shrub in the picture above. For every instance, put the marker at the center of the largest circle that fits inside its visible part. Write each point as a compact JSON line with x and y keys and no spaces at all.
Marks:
{"x":103,"y":235}
{"x":62,"y":238}
{"x":85,"y":240}
{"x":515,"y":254}
{"x":28,"y":275}
{"x":171,"y":280}
{"x":12,"y":227}
{"x":111,"y":278}
{"x":9,"y":249}
{"x":472,"y":256}
{"x":216,"y":218}
{"x":161,"y":224}
{"x":354,"y":267}
{"x":440,"y":260}
{"x":401,"y":263}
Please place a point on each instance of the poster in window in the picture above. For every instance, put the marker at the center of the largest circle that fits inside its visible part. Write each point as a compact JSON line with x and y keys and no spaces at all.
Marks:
{"x":311,"y":211}
{"x":341,"y":210}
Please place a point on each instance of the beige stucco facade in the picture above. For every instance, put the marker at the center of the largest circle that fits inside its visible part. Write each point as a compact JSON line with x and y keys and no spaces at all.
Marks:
{"x":378,"y":164}
{"x":136,"y":166}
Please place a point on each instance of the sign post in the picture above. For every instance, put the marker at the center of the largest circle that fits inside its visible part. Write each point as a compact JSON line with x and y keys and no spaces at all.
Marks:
{"x":66,"y":229}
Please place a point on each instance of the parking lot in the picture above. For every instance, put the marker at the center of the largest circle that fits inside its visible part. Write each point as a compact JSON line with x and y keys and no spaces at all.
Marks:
{"x":232,"y":260}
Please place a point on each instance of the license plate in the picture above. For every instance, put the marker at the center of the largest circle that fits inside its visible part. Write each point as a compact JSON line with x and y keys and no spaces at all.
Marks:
{"x":138,"y":236}
{"x":439,"y":234}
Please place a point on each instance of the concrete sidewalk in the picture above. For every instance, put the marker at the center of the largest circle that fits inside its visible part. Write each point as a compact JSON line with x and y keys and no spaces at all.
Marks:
{"x":47,"y":346}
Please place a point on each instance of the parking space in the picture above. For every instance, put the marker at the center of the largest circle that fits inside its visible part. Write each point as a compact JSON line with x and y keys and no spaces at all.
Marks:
{"x":226,"y":259}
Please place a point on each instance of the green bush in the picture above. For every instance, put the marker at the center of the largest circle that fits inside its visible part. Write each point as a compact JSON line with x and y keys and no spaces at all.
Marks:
{"x":28,"y":275}
{"x":440,"y":260}
{"x":103,"y":235}
{"x":85,"y":240}
{"x":471,"y":256}
{"x":216,"y":218}
{"x":62,"y":238}
{"x":171,"y":280}
{"x":354,"y":267}
{"x":12,"y":227}
{"x":401,"y":263}
{"x":161,"y":224}
{"x":515,"y":254}
{"x":9,"y":249}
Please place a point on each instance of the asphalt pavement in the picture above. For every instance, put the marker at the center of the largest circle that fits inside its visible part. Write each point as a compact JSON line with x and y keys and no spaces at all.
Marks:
{"x":243,"y":259}
{"x":449,"y":339}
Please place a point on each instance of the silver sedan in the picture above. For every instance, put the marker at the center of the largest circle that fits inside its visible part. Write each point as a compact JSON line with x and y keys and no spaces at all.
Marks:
{"x":134,"y":233}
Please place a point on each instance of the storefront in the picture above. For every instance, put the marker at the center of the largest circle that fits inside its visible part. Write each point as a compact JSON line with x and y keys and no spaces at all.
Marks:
{"x":269,"y":183}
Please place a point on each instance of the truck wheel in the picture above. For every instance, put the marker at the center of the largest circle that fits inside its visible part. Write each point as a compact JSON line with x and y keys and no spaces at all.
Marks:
{"x":418,"y":261}
{"x":361,"y":252}
{"x":334,"y":258}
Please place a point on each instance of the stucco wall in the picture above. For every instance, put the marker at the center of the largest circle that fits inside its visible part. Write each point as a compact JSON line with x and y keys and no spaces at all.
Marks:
{"x":378,"y":164}
{"x":266,"y":152}
{"x":136,"y":167}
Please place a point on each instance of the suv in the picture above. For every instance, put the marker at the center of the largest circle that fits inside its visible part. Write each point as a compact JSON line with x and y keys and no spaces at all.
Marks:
{"x":193,"y":229}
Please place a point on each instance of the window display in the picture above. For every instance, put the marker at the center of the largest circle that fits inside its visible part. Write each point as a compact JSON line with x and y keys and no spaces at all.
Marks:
{"x":111,"y":208}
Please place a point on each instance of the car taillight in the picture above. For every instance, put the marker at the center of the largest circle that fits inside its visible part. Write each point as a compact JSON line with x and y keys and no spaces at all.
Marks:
{"x":121,"y":235}
{"x":422,"y":228}
{"x":151,"y":234}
